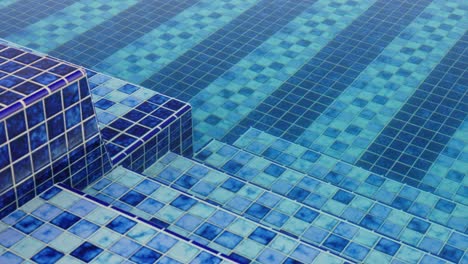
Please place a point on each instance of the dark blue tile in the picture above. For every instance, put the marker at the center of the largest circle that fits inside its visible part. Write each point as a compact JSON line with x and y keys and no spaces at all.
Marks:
{"x":418,"y":225}
{"x":10,"y":66}
{"x":120,"y":124}
{"x":47,"y":256}
{"x":128,"y":88}
{"x":232,"y":167}
{"x":53,"y":104}
{"x":186,"y":181}
{"x":262,"y":235}
{"x":183,"y":202}
{"x":63,"y":70}
{"x":50,"y":193}
{"x":65,"y":220}
{"x":204,"y":257}
{"x":3,"y":135}
{"x":104,"y":104}
{"x":274,"y":170}
{"x":35,"y":114}
{"x":121,"y":224}
{"x":306,"y":214}
{"x":445,"y":206}
{"x":371,"y":222}
{"x":86,"y":252}
{"x":133,"y":198}
{"x":10,"y":81}
{"x":451,"y":253}
{"x":401,"y":203}
{"x":232,"y":185}
{"x":56,"y":126}
{"x":45,"y":78}
{"x":336,"y":243}
{"x":257,"y":210}
{"x":28,"y":224}
{"x":27,"y":88}
{"x":145,"y":255}
{"x":298,"y":194}
{"x":343,"y":197}
{"x":6,"y":181}
{"x":387,"y":246}
{"x":4,"y":156}
{"x":16,"y":125}
{"x":22,"y":169}
{"x":208,"y":231}
{"x":27,"y":58}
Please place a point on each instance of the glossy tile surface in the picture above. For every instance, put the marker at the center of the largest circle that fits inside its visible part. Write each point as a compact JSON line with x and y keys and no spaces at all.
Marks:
{"x":63,"y":227}
{"x":331,"y":128}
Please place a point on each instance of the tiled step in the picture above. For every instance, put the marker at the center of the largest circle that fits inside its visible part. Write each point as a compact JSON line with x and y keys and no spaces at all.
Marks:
{"x":131,"y":116}
{"x":63,"y":226}
{"x":360,"y":181}
{"x":297,"y":219}
{"x":174,"y":211}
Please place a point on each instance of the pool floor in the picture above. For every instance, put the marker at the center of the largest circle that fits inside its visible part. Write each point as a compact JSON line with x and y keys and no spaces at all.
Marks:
{"x":367,"y":97}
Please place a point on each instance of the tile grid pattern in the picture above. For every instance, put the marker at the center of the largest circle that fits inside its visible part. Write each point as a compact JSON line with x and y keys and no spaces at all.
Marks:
{"x":348,"y":126}
{"x":200,"y":221}
{"x":99,"y":42}
{"x":130,"y":116}
{"x":13,"y":18}
{"x":411,"y":142}
{"x":229,"y":98}
{"x":154,"y":50}
{"x":409,"y":199}
{"x":452,"y":163}
{"x":58,"y":28}
{"x":336,"y":203}
{"x":196,"y":68}
{"x":52,"y":136}
{"x":309,"y":91}
{"x":284,"y":214}
{"x":63,"y":227}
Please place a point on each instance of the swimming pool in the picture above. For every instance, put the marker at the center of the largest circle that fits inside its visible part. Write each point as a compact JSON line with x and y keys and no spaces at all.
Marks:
{"x":366,"y":95}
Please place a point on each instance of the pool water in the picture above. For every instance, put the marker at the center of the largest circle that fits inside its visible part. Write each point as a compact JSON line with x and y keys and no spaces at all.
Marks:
{"x":379,"y":87}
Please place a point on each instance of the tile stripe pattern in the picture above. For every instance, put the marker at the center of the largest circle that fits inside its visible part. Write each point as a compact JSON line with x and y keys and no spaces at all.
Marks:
{"x":61,"y":226}
{"x":98,"y":43}
{"x":229,"y":98}
{"x":142,"y":58}
{"x":356,"y":117}
{"x":447,"y":172}
{"x":408,"y":145}
{"x":13,"y":18}
{"x":60,"y":27}
{"x":198,"y":67}
{"x":207,"y":224}
{"x":301,"y":99}
{"x":354,"y":179}
{"x":287,"y":215}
